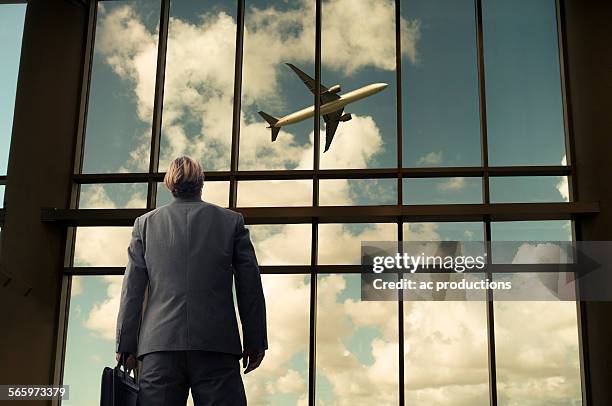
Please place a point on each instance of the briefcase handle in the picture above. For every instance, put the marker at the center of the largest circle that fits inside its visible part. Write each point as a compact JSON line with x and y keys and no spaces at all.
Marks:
{"x":126,"y":372}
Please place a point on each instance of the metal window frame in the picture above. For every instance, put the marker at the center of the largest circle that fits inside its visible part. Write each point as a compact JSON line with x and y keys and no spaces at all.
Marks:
{"x":398,"y":214}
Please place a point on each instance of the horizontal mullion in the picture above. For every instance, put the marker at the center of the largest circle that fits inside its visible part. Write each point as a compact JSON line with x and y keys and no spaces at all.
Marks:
{"x":348,"y":214}
{"x":530,"y":170}
{"x":325,"y":269}
{"x":263,"y":269}
{"x":371,"y":173}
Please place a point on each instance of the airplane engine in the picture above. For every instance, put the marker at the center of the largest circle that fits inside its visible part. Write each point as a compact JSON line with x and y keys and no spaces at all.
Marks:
{"x":334,"y":89}
{"x":345,"y":117}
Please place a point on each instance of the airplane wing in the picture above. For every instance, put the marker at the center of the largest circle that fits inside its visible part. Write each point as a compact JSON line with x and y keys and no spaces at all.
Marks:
{"x":331,"y":125}
{"x":310,"y":84}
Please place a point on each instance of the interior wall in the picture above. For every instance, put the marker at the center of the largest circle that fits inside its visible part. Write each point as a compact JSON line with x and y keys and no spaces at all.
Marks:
{"x":39,"y":175}
{"x":588,"y":35}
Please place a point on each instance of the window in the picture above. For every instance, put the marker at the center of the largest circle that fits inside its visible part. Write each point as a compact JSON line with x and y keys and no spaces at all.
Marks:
{"x":452,"y":140}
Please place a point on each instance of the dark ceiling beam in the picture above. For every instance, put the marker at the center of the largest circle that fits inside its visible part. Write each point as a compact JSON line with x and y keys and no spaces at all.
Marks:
{"x":371,"y":173}
{"x":347,"y":214}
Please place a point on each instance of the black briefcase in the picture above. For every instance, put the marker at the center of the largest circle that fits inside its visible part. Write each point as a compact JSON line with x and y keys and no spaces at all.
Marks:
{"x":118,"y":387}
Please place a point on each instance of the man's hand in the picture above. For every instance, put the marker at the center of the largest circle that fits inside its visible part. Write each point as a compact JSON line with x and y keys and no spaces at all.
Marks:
{"x":130,"y":364}
{"x":251,"y":359}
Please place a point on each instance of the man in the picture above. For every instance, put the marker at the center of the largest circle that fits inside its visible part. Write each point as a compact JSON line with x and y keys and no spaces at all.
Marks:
{"x":184,"y":255}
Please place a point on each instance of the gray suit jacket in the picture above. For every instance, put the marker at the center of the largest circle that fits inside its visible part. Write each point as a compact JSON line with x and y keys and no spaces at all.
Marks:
{"x":184,"y":255}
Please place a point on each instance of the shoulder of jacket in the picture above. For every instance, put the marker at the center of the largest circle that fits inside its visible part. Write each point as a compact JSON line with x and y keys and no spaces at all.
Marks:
{"x":223,"y":210}
{"x":148,"y":214}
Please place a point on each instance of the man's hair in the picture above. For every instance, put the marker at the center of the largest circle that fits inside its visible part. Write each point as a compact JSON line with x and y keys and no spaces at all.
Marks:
{"x":184,"y":177}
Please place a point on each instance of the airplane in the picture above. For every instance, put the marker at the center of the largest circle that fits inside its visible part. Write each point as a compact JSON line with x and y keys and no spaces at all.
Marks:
{"x":331,"y":107}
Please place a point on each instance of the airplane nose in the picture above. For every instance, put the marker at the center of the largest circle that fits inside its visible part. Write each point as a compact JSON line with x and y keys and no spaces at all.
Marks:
{"x":381,"y":86}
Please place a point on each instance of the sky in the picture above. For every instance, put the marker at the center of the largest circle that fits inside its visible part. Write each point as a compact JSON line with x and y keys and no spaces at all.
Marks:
{"x":11,"y":30}
{"x":356,"y":341}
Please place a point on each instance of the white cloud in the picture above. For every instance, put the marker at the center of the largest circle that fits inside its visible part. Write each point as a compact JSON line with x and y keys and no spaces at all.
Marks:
{"x":430,"y":159}
{"x":350,"y":46}
{"x":563,"y":186}
{"x":451,"y":185}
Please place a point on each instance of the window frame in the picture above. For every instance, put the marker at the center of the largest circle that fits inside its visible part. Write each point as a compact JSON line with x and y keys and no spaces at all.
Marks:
{"x":485,"y":212}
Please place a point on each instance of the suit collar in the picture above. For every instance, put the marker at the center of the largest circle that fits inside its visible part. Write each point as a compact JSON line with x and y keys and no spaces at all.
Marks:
{"x":179,"y":199}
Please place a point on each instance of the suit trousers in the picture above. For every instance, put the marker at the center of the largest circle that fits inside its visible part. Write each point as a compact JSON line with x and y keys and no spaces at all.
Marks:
{"x":214,"y":379}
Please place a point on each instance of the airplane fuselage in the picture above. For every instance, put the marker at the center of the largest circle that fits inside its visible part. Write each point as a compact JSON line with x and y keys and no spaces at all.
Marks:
{"x":333,"y":105}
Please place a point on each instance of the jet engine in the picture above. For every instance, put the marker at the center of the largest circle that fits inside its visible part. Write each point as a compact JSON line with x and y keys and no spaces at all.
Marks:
{"x":345,"y":117}
{"x":333,"y":89}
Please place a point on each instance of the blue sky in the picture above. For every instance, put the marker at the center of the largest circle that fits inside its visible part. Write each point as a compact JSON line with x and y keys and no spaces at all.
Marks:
{"x":12,"y":17}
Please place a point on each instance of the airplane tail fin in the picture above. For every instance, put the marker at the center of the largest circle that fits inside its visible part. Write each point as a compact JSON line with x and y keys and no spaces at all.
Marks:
{"x":272,"y":121}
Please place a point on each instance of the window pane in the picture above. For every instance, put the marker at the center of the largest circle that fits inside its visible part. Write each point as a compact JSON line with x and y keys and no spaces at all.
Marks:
{"x":445,"y":342}
{"x":359,"y":61}
{"x":440,"y":111}
{"x":90,"y":340}
{"x":260,"y":193}
{"x":12,"y":17}
{"x":113,"y":196}
{"x":276,"y":32}
{"x":357,"y":345}
{"x":348,"y":192}
{"x":282,"y":378}
{"x":282,"y":244}
{"x":438,"y":231}
{"x":340,"y":244}
{"x":442,"y":190}
{"x":122,"y":88}
{"x":523,"y":85}
{"x":199,"y":83}
{"x":214,"y":192}
{"x":91,"y":333}
{"x":102,"y":246}
{"x":529,"y":189}
{"x":536,"y":343}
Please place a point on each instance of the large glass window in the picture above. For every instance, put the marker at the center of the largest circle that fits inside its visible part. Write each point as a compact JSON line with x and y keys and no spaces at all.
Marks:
{"x":440,"y":113}
{"x":407,"y":160}
{"x":359,"y":57}
{"x":199,"y":83}
{"x":523,"y":83}
{"x":276,"y":32}
{"x":445,"y":342}
{"x":122,"y":88}
{"x":536,"y":343}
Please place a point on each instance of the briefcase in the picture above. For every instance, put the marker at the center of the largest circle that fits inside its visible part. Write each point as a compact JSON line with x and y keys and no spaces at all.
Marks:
{"x":118,"y":387}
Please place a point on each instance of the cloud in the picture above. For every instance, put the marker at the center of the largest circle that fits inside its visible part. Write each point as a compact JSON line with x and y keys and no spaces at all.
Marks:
{"x":563,"y":186}
{"x":451,"y":185}
{"x":349,"y":47}
{"x":77,"y":287}
{"x":430,"y":159}
{"x":102,"y":319}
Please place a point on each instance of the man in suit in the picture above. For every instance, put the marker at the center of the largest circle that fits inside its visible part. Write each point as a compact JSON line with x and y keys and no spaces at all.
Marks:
{"x":183,"y":255}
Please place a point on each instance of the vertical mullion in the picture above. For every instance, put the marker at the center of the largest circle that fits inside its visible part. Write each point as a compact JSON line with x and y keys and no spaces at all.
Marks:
{"x":75,"y":190}
{"x":583,"y":350}
{"x":400,"y":196}
{"x":162,"y":46}
{"x":315,"y":202}
{"x":569,"y":138}
{"x":85,"y":88}
{"x":486,"y":200}
{"x":238,"y":61}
